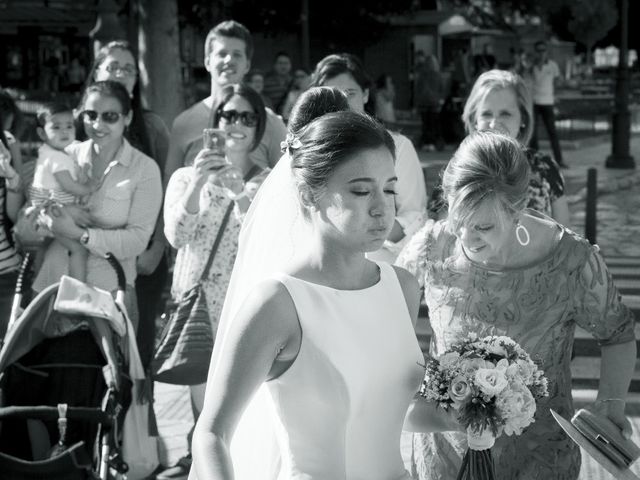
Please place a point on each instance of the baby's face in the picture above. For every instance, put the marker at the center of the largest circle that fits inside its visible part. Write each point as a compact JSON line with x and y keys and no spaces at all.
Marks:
{"x":60,"y":130}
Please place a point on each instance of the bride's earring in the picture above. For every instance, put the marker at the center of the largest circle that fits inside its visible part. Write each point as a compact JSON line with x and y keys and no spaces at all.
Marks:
{"x":522,"y":235}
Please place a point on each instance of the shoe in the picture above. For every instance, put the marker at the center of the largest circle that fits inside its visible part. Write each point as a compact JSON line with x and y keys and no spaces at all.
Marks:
{"x":180,"y":471}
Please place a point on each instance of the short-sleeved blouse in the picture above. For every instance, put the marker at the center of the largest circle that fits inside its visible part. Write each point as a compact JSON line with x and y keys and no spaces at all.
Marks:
{"x":539,"y":306}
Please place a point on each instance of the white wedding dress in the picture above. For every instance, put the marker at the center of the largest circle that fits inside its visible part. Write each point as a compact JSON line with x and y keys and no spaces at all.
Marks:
{"x":337,"y":413}
{"x":340,"y":407}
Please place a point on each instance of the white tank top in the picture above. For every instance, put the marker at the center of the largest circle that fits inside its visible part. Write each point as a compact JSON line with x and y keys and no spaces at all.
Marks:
{"x":340,"y":407}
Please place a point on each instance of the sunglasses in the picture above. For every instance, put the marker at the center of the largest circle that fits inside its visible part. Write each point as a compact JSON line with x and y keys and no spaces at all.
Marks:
{"x":107,"y":117}
{"x":248,"y":119}
{"x":128,"y":70}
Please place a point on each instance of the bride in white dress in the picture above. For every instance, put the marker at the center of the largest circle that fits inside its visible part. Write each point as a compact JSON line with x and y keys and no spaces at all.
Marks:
{"x":328,"y":332}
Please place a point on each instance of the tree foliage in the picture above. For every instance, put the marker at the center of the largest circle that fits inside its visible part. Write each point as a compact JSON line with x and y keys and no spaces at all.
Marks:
{"x":591,"y":20}
{"x":342,"y":22}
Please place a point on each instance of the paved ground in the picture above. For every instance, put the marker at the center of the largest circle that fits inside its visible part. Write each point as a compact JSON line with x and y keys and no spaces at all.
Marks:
{"x":618,"y":235}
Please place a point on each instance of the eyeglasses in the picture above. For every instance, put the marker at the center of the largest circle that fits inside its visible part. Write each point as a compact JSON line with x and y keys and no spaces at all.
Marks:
{"x":128,"y":70}
{"x":248,"y":119}
{"x":107,"y":117}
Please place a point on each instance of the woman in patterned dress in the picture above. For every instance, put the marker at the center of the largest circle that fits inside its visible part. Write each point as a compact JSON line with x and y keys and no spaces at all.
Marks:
{"x":500,"y":100}
{"x":494,"y":267}
{"x":195,"y":206}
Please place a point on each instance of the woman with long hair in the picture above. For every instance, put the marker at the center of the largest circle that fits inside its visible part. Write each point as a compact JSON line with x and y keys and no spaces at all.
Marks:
{"x":148,"y":133}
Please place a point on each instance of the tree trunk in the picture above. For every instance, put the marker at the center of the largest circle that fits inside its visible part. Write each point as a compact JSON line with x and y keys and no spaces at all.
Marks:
{"x":160,"y":63}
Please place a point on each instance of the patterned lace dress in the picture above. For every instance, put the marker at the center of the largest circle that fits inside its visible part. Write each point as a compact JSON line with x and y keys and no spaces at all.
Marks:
{"x":538,"y":305}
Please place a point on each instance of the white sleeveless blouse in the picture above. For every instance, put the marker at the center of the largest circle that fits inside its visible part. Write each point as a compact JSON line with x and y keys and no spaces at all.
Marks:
{"x":340,"y":407}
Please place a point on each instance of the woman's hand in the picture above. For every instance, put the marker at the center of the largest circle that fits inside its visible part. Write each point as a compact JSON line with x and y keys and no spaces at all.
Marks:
{"x":80,"y":215}
{"x":59,"y":222}
{"x":613,"y":409}
{"x":206,"y":163}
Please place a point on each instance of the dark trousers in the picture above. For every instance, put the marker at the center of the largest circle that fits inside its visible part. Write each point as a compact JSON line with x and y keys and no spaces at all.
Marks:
{"x":545,"y":112}
{"x":149,"y":289}
{"x":7,"y":291}
{"x":431,"y":128}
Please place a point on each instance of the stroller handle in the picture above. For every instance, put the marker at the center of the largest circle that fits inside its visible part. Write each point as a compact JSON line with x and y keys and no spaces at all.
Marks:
{"x":115,"y":264}
{"x":95,"y":415}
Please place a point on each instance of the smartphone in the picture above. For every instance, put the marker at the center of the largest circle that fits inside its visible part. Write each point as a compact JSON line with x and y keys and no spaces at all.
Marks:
{"x":214,"y":139}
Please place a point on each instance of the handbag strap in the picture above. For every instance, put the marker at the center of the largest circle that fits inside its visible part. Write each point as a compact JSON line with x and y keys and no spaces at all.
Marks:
{"x":223,"y":226}
{"x":214,"y":249}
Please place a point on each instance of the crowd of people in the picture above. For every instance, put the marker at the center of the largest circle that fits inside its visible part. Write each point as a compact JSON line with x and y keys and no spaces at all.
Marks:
{"x":315,"y":345}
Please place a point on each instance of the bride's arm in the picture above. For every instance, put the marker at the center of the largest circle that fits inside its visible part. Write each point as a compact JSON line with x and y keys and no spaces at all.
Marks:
{"x":266,"y":325}
{"x":423,"y":416}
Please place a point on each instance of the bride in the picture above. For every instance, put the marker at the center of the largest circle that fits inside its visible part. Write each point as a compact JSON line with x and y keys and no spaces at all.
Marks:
{"x":326,"y":333}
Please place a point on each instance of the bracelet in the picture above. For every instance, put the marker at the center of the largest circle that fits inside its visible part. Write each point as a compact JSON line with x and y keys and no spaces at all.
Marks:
{"x":611,"y":400}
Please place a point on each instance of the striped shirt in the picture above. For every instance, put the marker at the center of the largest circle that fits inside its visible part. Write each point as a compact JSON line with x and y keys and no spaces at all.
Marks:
{"x":9,"y":258}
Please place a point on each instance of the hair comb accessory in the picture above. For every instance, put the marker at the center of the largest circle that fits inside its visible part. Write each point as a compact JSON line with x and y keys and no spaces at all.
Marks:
{"x":291,"y":142}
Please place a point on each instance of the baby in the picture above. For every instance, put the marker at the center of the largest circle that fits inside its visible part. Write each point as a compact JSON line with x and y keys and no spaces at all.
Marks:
{"x":56,"y":176}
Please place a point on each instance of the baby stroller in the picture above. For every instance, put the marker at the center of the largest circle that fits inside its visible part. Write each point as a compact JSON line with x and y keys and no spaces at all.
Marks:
{"x":65,"y":384}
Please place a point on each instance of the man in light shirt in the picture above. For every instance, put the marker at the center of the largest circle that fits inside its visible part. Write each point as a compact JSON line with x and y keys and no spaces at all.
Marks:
{"x":545,"y":73}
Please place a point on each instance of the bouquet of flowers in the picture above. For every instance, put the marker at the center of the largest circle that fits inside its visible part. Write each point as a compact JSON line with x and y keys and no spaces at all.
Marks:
{"x":492,"y":384}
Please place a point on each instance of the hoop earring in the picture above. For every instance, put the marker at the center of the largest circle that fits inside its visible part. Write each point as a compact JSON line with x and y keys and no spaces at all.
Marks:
{"x":522,"y":230}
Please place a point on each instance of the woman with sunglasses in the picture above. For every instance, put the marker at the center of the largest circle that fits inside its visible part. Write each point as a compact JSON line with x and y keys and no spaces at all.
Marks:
{"x":124,"y":207}
{"x":197,"y":199}
{"x":148,"y":133}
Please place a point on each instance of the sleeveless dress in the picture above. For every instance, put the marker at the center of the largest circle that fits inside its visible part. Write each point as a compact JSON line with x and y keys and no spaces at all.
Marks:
{"x":340,"y":406}
{"x":538,"y":305}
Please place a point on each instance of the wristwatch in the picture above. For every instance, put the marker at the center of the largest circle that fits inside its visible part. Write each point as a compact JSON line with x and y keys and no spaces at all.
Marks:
{"x":84,"y":238}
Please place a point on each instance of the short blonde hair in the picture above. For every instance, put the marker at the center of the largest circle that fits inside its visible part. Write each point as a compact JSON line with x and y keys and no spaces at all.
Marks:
{"x":497,"y":80}
{"x":488,"y":166}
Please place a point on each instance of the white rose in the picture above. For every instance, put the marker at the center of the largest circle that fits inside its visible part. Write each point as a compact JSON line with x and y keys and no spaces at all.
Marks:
{"x":490,"y":381}
{"x":448,"y":360}
{"x":517,"y":407}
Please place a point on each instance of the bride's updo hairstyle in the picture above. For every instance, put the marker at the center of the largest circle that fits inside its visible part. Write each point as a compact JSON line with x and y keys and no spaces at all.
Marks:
{"x":330,"y":140}
{"x":314,"y":103}
{"x":488,"y":166}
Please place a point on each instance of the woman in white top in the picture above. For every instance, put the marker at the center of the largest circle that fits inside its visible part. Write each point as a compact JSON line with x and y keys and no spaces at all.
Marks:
{"x":345,"y":71}
{"x":331,"y":333}
{"x":124,"y":208}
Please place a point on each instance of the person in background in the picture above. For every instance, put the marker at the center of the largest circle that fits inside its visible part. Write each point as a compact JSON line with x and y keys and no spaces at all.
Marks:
{"x":255,"y":79}
{"x":122,"y":211}
{"x":11,"y":126}
{"x":149,"y":134}
{"x":385,"y":96}
{"x":494,"y":267}
{"x":345,"y":71}
{"x":195,"y":205}
{"x":301,"y":82}
{"x":279,"y":81}
{"x":545,"y":75}
{"x":228,"y":51}
{"x":429,"y":99}
{"x":484,"y":61}
{"x":76,"y":75}
{"x":11,"y":199}
{"x":500,"y":100}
